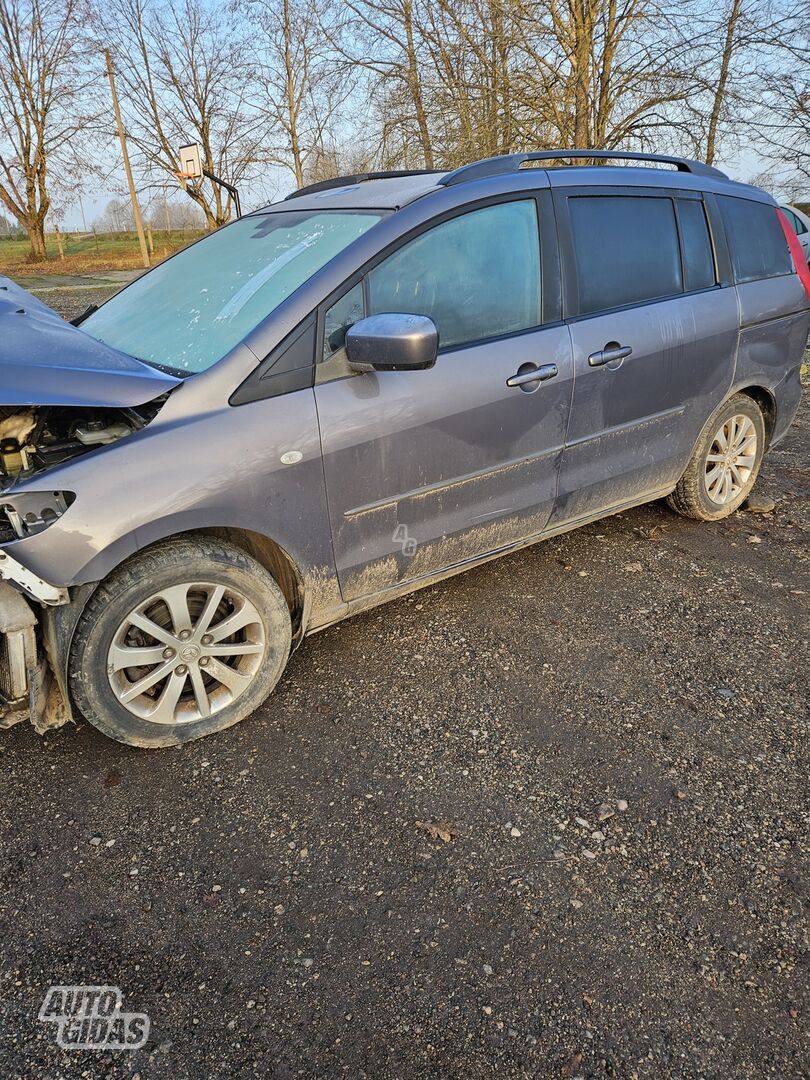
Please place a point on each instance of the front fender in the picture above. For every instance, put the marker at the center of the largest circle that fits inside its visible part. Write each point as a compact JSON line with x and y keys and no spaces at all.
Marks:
{"x":218,"y":469}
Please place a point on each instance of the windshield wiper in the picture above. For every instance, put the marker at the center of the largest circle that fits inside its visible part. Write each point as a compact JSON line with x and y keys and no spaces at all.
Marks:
{"x":179,"y":372}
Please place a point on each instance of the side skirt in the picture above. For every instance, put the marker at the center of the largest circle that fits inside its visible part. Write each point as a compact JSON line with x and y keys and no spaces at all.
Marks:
{"x":366,"y":603}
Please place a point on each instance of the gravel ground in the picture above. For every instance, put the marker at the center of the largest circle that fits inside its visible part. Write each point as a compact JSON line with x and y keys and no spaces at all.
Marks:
{"x":615,"y":725}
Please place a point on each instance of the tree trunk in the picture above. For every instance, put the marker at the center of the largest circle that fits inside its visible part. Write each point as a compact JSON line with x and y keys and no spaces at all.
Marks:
{"x":415,"y":89}
{"x":729,"y":46}
{"x":36,"y":234}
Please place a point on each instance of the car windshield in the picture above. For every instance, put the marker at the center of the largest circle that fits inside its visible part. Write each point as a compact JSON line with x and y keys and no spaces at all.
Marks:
{"x":191,"y":310}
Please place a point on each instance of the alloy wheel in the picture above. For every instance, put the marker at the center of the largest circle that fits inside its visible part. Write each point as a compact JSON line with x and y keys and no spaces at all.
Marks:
{"x":186,"y":652}
{"x":731,"y":459}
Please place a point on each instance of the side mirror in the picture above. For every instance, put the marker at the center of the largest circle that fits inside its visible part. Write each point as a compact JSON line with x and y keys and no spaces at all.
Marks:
{"x":393,"y":342}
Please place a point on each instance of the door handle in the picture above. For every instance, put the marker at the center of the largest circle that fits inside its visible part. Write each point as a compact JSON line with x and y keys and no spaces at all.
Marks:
{"x":529,"y":373}
{"x":612,"y":351}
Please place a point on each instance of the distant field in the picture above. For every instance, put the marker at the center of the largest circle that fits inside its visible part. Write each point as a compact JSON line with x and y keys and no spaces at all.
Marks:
{"x":87,"y":252}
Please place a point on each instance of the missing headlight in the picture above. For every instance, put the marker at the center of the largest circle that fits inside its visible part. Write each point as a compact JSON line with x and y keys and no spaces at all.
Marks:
{"x":31,"y":513}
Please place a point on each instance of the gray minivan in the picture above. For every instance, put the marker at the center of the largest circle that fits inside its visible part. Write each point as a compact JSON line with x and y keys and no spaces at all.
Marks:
{"x":376,"y":383}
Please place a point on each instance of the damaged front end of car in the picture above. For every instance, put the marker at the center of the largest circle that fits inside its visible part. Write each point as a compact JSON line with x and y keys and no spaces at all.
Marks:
{"x":63,"y":394}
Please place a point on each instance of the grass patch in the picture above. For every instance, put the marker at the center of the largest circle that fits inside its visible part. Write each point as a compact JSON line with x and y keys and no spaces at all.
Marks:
{"x":84,"y":252}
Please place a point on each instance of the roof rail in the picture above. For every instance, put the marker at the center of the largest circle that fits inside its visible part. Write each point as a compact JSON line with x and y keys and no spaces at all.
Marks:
{"x":357,"y":178}
{"x":506,"y":163}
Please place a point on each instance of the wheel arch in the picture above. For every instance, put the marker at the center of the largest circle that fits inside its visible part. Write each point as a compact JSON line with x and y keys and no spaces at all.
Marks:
{"x":766,"y":401}
{"x":59,"y":623}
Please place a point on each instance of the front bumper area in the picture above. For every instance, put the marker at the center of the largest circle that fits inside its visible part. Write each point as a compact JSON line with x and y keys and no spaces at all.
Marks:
{"x":28,"y":689}
{"x":12,"y":569}
{"x":18,"y":655}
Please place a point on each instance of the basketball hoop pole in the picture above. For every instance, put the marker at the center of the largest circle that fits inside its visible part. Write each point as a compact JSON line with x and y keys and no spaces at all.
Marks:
{"x":228,"y":187}
{"x":191,"y":160}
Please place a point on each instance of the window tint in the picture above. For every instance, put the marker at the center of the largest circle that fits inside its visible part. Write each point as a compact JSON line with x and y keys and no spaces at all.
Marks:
{"x":340,"y":317}
{"x":698,"y":261}
{"x":477,"y":276}
{"x":626,"y":250}
{"x":758,"y":247}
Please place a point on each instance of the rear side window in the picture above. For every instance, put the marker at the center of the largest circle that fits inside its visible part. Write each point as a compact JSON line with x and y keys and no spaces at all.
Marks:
{"x":698,"y":260}
{"x":477,"y":276}
{"x":758,"y":247}
{"x":626,"y":249}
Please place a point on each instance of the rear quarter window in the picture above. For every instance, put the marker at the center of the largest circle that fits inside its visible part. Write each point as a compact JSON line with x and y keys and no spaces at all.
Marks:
{"x":755,"y":237}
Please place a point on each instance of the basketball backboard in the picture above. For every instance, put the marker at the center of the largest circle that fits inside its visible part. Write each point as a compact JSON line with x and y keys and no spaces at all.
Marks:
{"x":190,"y":162}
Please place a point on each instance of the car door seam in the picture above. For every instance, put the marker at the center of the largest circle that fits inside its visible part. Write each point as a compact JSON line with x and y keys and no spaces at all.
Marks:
{"x":431,"y":489}
{"x":621,"y":429}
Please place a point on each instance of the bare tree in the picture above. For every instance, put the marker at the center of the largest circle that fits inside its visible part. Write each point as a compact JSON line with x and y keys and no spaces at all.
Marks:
{"x":116,"y":217}
{"x":298,"y":86}
{"x":43,"y":105}
{"x":603,"y":73}
{"x":783,"y":120}
{"x":182,"y":74}
{"x":386,"y":39}
{"x":731,"y":42}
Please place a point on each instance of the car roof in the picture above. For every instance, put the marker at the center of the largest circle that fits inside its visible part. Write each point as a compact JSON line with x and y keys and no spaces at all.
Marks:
{"x":380,"y":191}
{"x":383,"y":193}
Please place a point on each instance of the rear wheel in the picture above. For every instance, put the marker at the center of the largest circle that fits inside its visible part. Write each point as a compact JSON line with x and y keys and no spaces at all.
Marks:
{"x":725,"y":463}
{"x":181,"y":641}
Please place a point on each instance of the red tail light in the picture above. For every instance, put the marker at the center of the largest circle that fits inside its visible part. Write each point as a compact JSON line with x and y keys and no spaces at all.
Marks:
{"x":799,"y":261}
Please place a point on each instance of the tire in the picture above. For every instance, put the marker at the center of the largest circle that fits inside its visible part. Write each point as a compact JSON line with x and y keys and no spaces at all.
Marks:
{"x":198,"y":584}
{"x":700,"y":493}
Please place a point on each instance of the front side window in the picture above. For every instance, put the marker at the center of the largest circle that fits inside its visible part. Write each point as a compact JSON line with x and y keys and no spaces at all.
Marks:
{"x":698,"y":260}
{"x":626,"y":250}
{"x":758,"y":246}
{"x":191,"y":310}
{"x":477,"y":276}
{"x":340,"y":317}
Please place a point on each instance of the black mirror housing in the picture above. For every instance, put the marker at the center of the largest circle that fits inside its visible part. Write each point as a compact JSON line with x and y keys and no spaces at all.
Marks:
{"x":393,"y":342}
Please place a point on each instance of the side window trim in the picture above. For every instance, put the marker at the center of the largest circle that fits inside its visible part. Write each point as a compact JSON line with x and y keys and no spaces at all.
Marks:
{"x":550,"y":285}
{"x":736,"y":254}
{"x":706,"y":288}
{"x":717,"y":232}
{"x":562,"y":197}
{"x":570,"y":288}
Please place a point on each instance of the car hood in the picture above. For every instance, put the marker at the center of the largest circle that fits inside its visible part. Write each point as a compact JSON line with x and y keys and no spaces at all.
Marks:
{"x":44,"y":360}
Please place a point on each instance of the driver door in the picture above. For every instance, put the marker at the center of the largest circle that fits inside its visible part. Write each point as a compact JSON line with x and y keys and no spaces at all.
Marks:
{"x":427,"y":470}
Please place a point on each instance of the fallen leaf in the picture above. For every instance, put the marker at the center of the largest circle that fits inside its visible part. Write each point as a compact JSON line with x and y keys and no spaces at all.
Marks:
{"x":112,"y":779}
{"x":681,"y":795}
{"x":753,"y":539}
{"x":633,"y":568}
{"x":568,"y":1070}
{"x":438,"y":830}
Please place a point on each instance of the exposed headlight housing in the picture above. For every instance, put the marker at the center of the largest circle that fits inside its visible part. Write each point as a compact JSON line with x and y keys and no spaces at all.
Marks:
{"x":31,"y":513}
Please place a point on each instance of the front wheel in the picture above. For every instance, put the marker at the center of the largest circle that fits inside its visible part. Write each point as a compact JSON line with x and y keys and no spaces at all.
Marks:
{"x":182,"y":640}
{"x":725,"y":463}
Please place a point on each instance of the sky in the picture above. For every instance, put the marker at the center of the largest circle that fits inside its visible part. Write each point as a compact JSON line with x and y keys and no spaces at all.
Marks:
{"x":279,"y":182}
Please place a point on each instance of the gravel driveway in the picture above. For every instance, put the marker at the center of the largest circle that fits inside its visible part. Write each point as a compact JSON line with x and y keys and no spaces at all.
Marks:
{"x":611,"y":730}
